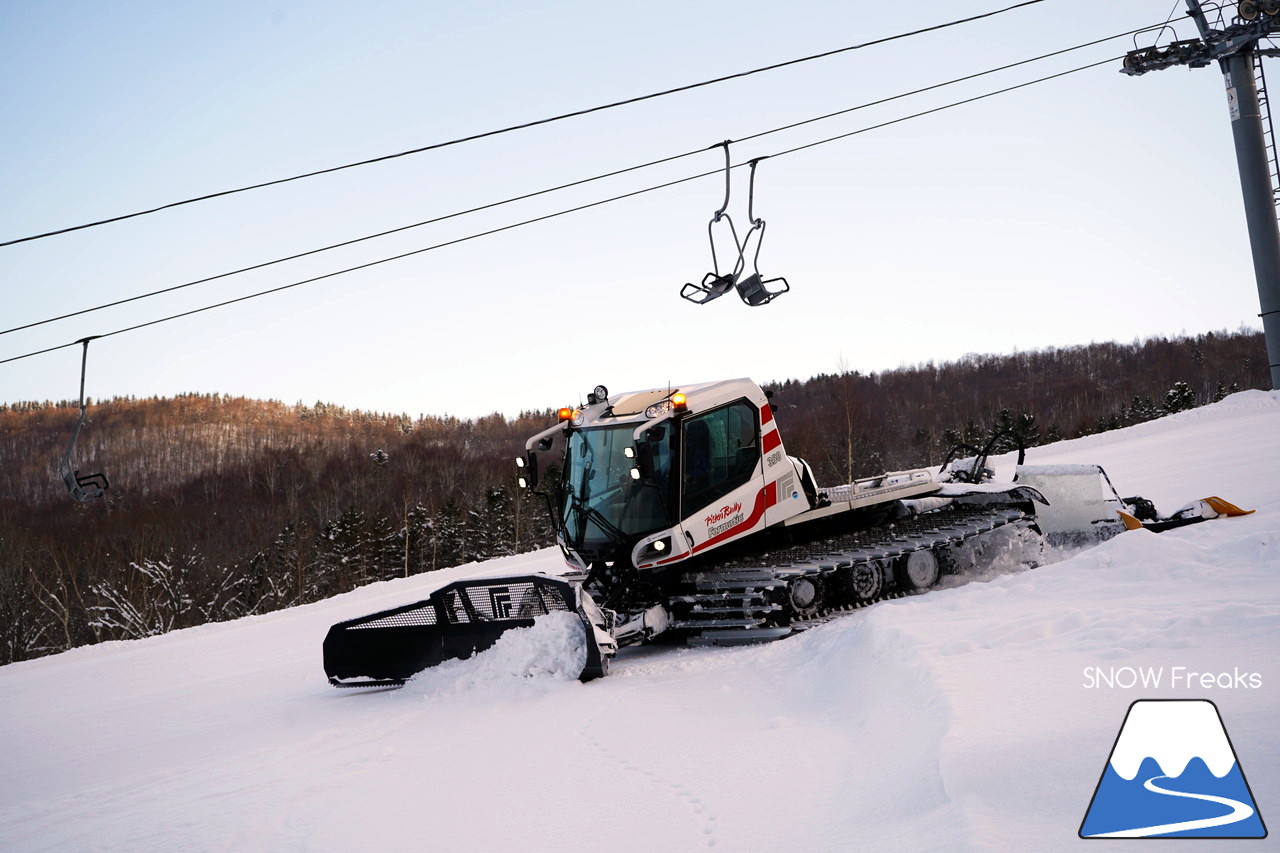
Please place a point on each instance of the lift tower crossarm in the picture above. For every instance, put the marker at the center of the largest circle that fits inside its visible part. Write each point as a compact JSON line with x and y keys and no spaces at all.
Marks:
{"x":1235,"y":48}
{"x":1199,"y":53}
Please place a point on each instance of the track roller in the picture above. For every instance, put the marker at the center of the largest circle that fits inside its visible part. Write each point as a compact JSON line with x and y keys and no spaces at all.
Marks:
{"x":804,"y":597}
{"x":864,"y":582}
{"x":917,"y":571}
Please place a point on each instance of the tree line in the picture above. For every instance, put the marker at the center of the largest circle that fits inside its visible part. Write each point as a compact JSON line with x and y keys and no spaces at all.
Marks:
{"x":850,"y":424}
{"x":221,"y":507}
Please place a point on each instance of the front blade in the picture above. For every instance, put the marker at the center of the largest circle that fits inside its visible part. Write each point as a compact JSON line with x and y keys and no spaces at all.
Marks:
{"x":455,"y":622}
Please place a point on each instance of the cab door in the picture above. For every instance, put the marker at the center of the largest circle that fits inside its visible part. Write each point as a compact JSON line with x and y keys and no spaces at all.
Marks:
{"x":722,"y":492}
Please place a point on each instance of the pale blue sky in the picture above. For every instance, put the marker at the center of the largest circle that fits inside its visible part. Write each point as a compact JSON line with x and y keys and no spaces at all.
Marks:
{"x":1091,"y":208}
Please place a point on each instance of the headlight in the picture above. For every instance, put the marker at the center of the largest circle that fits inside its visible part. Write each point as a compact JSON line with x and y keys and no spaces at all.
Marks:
{"x":658,"y":409}
{"x":657,"y":548}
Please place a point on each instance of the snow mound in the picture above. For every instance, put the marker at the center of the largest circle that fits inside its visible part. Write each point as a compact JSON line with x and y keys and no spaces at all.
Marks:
{"x":972,"y":718}
{"x":554,"y":649}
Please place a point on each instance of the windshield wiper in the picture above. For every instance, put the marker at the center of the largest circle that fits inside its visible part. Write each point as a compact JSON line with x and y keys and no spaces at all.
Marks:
{"x":584,"y":513}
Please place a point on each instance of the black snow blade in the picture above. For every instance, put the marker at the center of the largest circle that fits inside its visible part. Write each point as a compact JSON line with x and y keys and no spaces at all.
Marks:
{"x":385,"y":649}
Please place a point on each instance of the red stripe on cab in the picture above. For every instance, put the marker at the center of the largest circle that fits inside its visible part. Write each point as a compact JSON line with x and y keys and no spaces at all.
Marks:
{"x":771,"y":441}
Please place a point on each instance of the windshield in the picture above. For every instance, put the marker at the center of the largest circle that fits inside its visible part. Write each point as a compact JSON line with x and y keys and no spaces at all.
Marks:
{"x":602,"y":502}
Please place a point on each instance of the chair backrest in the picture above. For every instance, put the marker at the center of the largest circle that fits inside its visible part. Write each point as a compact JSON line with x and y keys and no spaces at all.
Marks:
{"x":85,"y":488}
{"x":755,"y":291}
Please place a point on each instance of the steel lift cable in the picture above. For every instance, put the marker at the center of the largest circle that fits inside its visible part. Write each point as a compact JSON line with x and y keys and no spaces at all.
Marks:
{"x":559,"y":213}
{"x":525,"y":125}
{"x":579,"y":182}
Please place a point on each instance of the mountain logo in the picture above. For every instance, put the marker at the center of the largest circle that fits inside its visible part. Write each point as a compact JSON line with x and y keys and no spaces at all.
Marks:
{"x":1172,"y":773}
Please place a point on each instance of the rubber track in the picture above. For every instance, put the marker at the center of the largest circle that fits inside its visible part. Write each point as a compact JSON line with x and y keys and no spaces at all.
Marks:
{"x":751,"y":579}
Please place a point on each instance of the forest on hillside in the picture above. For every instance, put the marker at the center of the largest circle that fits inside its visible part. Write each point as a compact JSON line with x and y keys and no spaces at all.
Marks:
{"x":851,"y":424}
{"x":221,"y":507}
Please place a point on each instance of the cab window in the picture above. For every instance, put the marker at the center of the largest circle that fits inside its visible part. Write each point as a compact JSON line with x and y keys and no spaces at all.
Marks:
{"x":721,"y":451}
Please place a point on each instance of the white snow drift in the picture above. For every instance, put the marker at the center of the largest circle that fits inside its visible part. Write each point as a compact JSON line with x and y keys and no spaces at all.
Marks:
{"x":957,"y":720}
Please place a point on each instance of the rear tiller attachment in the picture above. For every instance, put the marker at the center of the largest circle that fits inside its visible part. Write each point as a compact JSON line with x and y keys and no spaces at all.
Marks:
{"x":1193,"y":513}
{"x":1082,"y":512}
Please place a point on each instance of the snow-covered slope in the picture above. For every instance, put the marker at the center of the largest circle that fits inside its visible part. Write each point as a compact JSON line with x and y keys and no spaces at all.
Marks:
{"x":965,"y":719}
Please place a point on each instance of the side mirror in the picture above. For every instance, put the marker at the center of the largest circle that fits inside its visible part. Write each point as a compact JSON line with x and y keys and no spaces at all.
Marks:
{"x":528,"y":471}
{"x":644,"y":462}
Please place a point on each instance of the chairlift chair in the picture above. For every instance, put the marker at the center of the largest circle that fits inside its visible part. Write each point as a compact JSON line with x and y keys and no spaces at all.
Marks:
{"x":714,"y":284}
{"x":90,"y":486}
{"x":754,"y":289}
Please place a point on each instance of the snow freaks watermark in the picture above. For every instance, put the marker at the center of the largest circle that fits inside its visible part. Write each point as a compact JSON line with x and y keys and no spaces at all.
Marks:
{"x":1172,"y":773}
{"x":1158,"y":677}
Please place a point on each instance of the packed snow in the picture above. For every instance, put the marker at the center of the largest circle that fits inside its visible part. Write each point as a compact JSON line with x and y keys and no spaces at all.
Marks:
{"x":977,"y":717}
{"x":555,"y":647}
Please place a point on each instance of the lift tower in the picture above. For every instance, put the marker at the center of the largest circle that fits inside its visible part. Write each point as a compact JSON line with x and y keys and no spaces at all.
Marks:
{"x":1235,"y":47}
